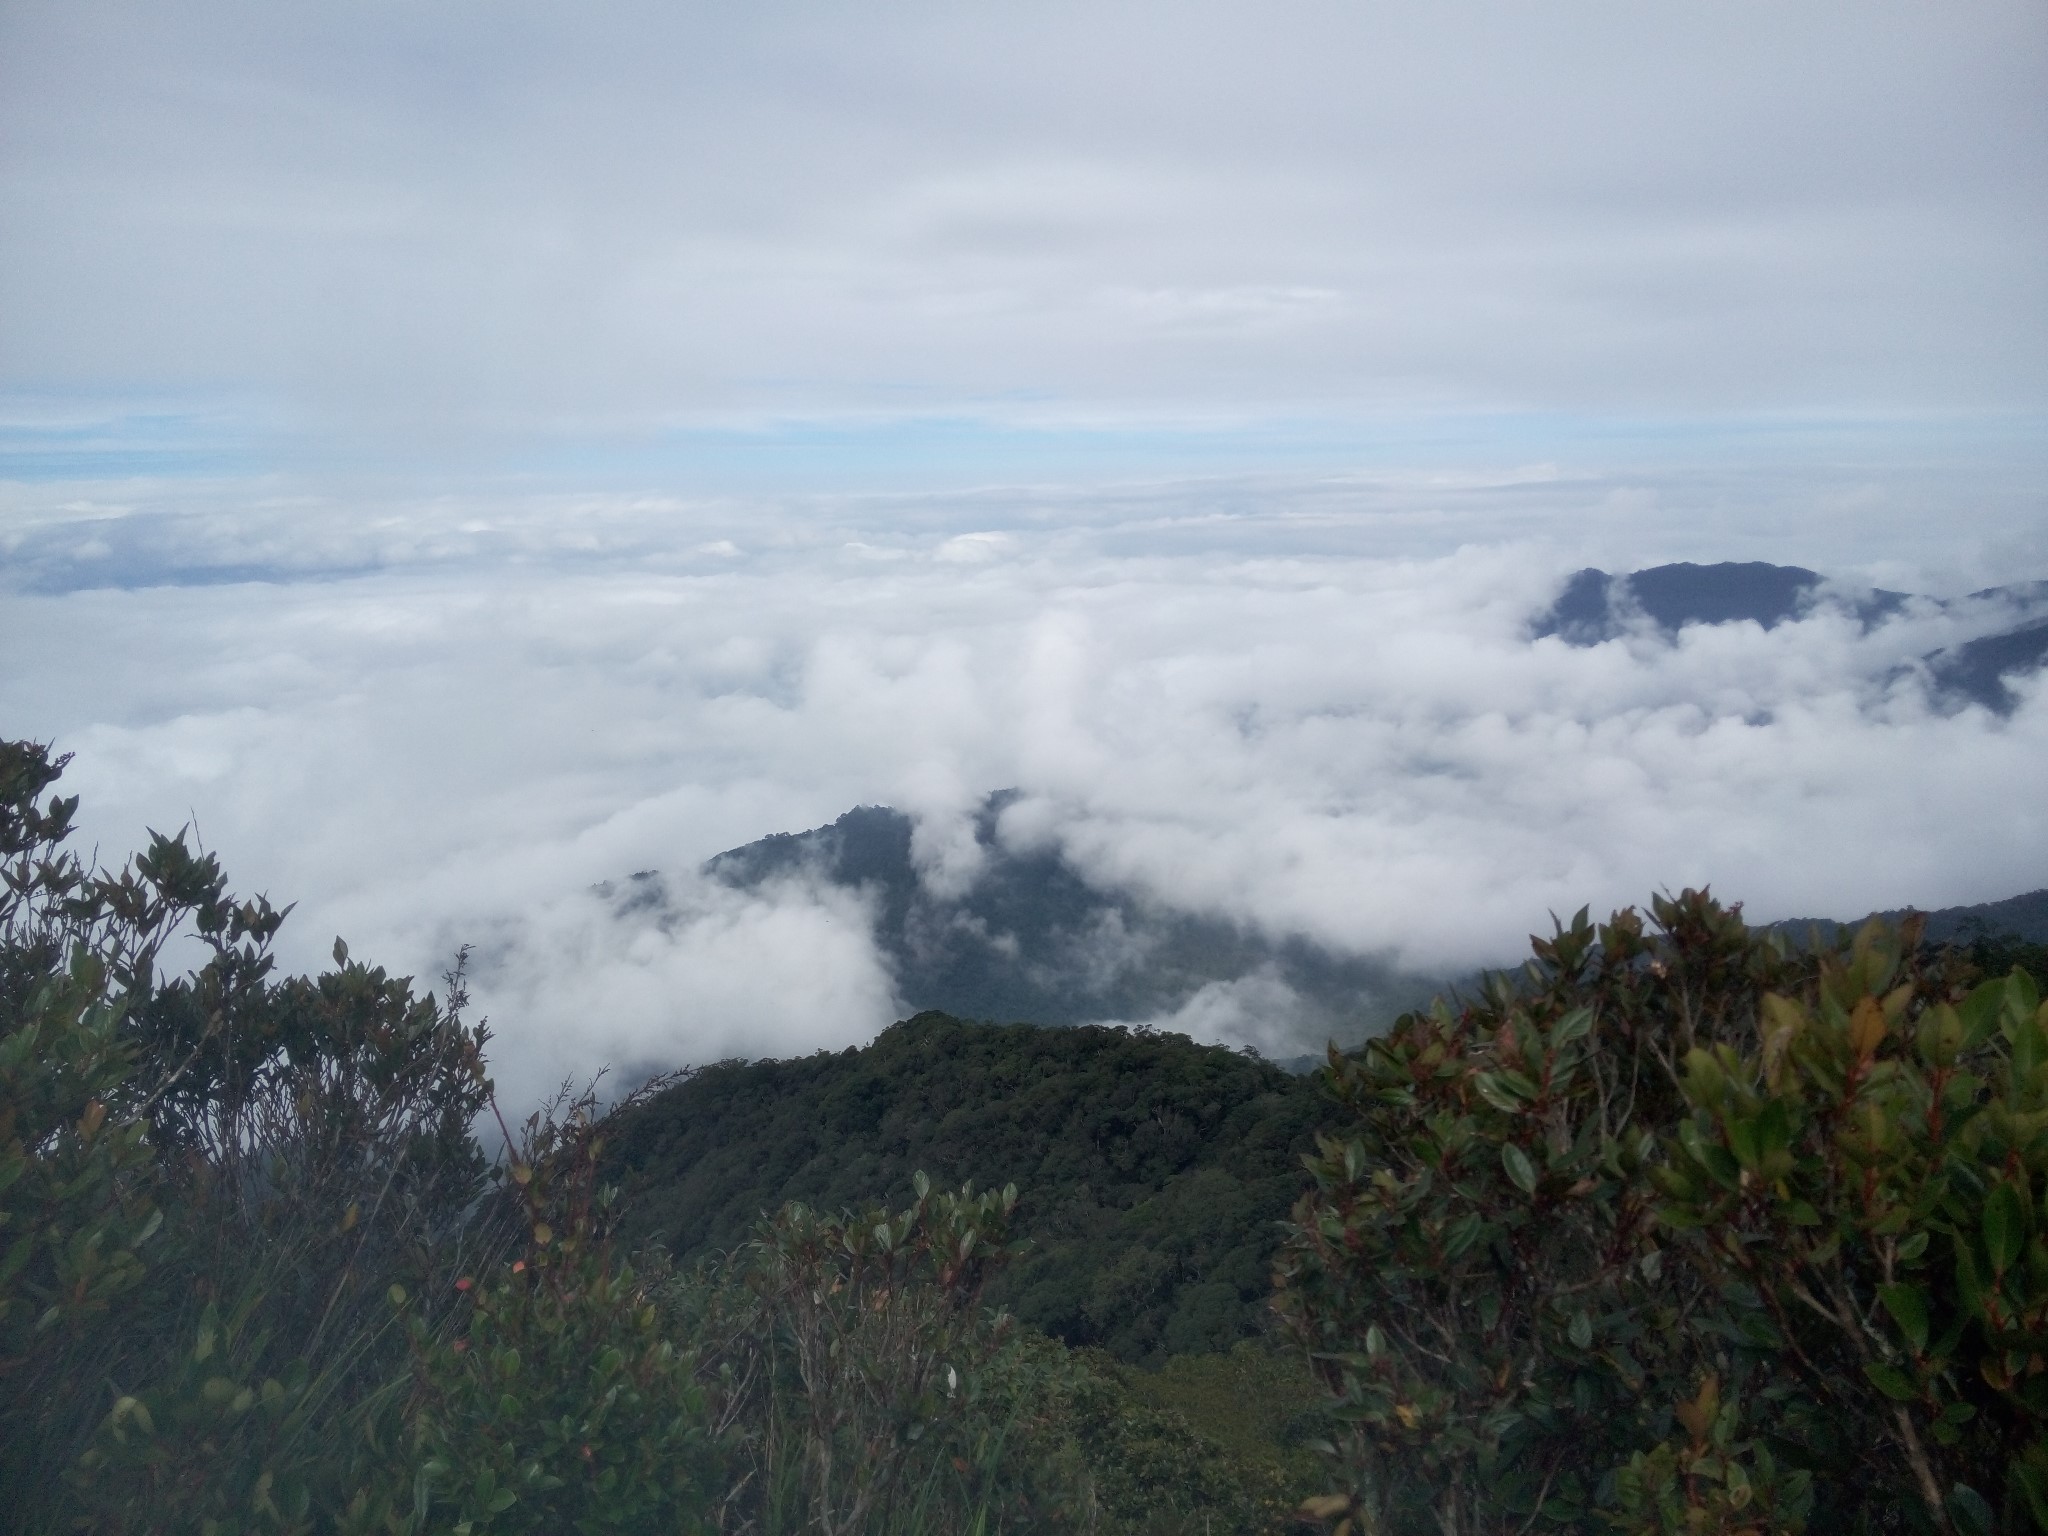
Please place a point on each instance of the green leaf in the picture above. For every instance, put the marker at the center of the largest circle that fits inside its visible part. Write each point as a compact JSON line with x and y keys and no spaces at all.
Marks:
{"x":1519,"y":1168}
{"x":1979,"y":1012}
{"x":2005,"y":1225}
{"x":1969,"y":1283}
{"x":2021,"y":1000}
{"x":1582,"y":1330}
{"x":1495,"y":1088}
{"x":2030,"y":1475}
{"x":1462,"y":1234}
{"x":1972,"y":1515}
{"x":1572,"y":1026}
{"x":1745,"y":1142}
{"x":1773,"y":1128}
{"x":1908,"y":1307}
{"x":209,"y":1331}
{"x":1891,"y":1381}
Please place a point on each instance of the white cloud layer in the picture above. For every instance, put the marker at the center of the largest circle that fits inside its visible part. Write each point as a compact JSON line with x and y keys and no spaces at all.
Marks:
{"x":1360,"y":747}
{"x":462,"y":453}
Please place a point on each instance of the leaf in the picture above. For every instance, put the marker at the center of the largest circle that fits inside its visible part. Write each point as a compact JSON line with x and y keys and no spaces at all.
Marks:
{"x":1572,"y":1026}
{"x":1698,"y":1415}
{"x":1495,"y":1089}
{"x":2021,"y":999}
{"x":209,"y":1330}
{"x":1462,"y":1234}
{"x":1891,"y":1381}
{"x":2005,"y":1221}
{"x":1971,"y":1514}
{"x":1979,"y":1013}
{"x":1773,"y":1128}
{"x":1745,"y":1141}
{"x":1581,"y":1330}
{"x":1969,"y":1284}
{"x":1908,"y":1307}
{"x":1519,"y":1168}
{"x":1866,"y":1028}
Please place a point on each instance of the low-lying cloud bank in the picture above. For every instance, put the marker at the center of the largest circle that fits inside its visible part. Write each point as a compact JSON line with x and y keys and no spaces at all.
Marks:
{"x":1363,"y":749}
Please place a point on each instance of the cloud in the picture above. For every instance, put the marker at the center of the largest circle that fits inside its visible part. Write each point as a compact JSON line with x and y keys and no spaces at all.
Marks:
{"x":589,"y":979}
{"x":1360,"y":748}
{"x":1259,"y":1012}
{"x":468,"y":224}
{"x":460,"y":455}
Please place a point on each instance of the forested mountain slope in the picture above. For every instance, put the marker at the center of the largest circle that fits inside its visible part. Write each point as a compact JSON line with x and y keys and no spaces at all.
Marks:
{"x":1153,"y":1170}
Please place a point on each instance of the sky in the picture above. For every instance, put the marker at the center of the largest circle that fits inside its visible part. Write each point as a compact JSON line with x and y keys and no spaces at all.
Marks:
{"x":458,"y":454}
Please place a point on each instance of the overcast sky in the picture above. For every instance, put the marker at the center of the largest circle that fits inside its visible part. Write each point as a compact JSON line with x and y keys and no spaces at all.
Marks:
{"x":459,"y":453}
{"x":427,"y":222}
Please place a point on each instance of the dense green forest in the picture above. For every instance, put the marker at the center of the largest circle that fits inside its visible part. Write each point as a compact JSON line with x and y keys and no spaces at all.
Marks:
{"x":1682,"y":1227}
{"x":1154,"y":1172}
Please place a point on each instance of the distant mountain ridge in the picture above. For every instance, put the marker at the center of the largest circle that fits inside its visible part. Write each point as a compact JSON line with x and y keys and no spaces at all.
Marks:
{"x":1596,"y":606}
{"x":2022,"y":917}
{"x":1033,"y":939}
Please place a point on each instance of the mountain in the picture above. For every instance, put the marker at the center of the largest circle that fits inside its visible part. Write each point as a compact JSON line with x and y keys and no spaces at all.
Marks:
{"x":1034,"y":938}
{"x":1977,"y":669}
{"x":1153,"y":1170}
{"x":1596,"y":606}
{"x":2017,"y":917}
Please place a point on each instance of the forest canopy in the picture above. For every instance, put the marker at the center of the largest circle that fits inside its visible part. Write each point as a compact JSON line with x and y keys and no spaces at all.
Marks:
{"x":1684,"y":1226}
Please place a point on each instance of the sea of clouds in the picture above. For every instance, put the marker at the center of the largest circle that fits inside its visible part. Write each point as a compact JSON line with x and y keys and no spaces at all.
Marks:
{"x":1309,"y":707}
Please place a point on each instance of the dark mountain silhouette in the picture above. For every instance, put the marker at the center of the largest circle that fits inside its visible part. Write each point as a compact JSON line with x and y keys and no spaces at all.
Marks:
{"x":1596,"y":606}
{"x":1033,"y":938}
{"x":2019,"y":917}
{"x":1977,"y":669}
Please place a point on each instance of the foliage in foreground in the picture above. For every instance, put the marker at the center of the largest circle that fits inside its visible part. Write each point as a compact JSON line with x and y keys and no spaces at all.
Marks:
{"x":256,"y":1275}
{"x":1684,"y":1231}
{"x":1680,"y":1231}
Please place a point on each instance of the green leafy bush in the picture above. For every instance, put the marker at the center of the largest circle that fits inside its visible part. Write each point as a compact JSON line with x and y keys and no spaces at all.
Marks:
{"x":1682,"y":1230}
{"x":207,"y":1184}
{"x":853,"y":1366}
{"x":559,"y":1401}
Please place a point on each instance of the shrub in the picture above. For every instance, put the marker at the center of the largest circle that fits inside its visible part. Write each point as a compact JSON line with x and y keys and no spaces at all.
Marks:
{"x":1682,"y":1230}
{"x":559,"y":1401}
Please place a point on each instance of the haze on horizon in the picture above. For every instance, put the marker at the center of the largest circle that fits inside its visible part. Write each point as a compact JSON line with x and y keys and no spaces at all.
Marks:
{"x":461,"y":454}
